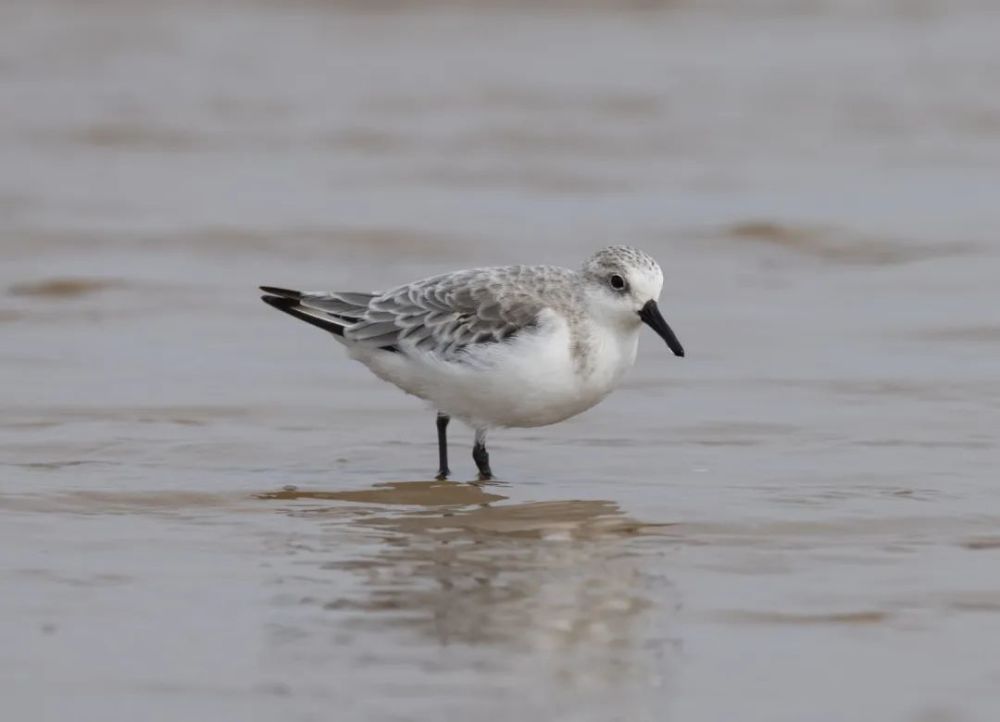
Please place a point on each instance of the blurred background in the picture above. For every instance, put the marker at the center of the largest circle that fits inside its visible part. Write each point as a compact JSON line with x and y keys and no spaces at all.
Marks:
{"x":208,"y":512}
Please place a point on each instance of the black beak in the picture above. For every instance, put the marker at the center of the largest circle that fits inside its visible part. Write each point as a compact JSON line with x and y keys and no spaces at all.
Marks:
{"x":650,"y":315}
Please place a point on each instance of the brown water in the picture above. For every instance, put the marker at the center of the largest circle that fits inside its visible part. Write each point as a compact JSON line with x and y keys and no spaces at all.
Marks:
{"x":207,"y":513}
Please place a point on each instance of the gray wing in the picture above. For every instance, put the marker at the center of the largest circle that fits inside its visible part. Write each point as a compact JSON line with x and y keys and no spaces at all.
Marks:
{"x":329,"y":311}
{"x":344,"y":307}
{"x":446,"y":314}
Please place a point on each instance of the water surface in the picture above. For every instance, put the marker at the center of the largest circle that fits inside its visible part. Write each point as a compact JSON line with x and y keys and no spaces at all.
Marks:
{"x":206,"y":512}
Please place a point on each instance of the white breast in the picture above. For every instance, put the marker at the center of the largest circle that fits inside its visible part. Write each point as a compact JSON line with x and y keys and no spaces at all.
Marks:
{"x":609,"y":356}
{"x":533,"y":380}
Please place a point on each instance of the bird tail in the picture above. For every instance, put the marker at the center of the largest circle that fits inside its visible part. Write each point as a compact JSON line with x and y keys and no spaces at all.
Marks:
{"x":329,"y":311}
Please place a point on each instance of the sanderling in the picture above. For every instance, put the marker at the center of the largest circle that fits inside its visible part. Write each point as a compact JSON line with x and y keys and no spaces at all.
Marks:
{"x":515,"y":346}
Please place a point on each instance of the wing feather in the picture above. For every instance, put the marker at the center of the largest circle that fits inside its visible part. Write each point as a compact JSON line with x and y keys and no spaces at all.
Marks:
{"x":447,"y":314}
{"x":443,"y":315}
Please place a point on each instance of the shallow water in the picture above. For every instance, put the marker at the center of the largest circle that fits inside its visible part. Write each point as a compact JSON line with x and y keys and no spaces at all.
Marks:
{"x":206,"y":512}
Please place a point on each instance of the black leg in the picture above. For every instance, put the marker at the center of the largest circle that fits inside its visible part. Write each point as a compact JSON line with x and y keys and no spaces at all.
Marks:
{"x":481,"y":456}
{"x":442,"y":426}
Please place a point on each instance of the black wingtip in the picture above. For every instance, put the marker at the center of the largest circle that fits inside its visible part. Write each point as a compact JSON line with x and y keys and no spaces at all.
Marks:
{"x":291,"y":307}
{"x":280,"y":302}
{"x":283,"y":292}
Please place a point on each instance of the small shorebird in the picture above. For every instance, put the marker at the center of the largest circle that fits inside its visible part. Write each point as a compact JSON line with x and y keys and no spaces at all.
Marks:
{"x":509,"y":346}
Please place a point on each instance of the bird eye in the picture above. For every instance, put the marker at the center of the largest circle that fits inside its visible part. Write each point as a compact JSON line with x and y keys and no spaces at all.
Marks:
{"x":617,"y":282}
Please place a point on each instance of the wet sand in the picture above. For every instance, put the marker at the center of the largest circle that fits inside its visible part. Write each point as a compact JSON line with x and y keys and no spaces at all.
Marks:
{"x":206,"y":512}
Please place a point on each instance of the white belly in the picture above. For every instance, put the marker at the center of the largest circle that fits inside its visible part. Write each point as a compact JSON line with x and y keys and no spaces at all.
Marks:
{"x":533,"y":380}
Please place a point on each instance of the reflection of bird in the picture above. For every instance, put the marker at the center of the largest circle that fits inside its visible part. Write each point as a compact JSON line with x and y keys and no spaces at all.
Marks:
{"x":511,"y":346}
